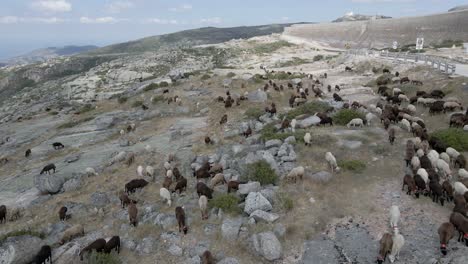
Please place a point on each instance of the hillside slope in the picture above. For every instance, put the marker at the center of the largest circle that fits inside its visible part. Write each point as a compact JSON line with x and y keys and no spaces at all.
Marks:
{"x":41,"y":55}
{"x":381,"y":33}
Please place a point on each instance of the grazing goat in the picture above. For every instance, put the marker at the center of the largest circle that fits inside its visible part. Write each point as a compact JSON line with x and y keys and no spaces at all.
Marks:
{"x":27,"y":153}
{"x":132,"y":185}
{"x":307,"y":138}
{"x":181,"y":185}
{"x":167,"y":182}
{"x":97,"y":245}
{"x":331,"y":160}
{"x":113,"y":243}
{"x":203,"y":204}
{"x":44,"y":255}
{"x":165,"y":195}
{"x":386,"y":245}
{"x":207,"y":258}
{"x":408,"y":180}
{"x":233,"y":185}
{"x":398,"y":242}
{"x":202,"y":189}
{"x":295,"y":174}
{"x":208,"y":140}
{"x":132,"y":214}
{"x":218,"y":178}
{"x":180,"y":216}
{"x":461,"y":224}
{"x":391,"y":135}
{"x":58,"y":145}
{"x":356,"y":122}
{"x":446,"y":232}
{"x":63,"y":213}
{"x":140,"y":171}
{"x":48,"y":168}
{"x":71,"y":233}
{"x":223,"y":119}
{"x":394,"y":216}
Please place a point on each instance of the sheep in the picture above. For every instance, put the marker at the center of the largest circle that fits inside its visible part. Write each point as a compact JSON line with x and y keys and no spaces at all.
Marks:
{"x":90,"y":172}
{"x":307,"y":138}
{"x":462,"y":173}
{"x":44,"y":255}
{"x":48,"y":168}
{"x":167,"y":182}
{"x":71,"y":233}
{"x":293,"y":125}
{"x":406,"y":125}
{"x":97,"y":245}
{"x":386,"y":245}
{"x":411,"y":108}
{"x":149,"y":171}
{"x":369,"y":118}
{"x":420,"y":153}
{"x":396,"y":91}
{"x":433,"y":157}
{"x":180,"y":216}
{"x":165,"y":195}
{"x":403,"y":97}
{"x":451,"y":106}
{"x":27,"y":153}
{"x":169,"y":174}
{"x":408,"y":180}
{"x":394,"y":216}
{"x":331,"y":160}
{"x":296,"y":173}
{"x":58,"y":145}
{"x":391,"y":135}
{"x":181,"y":185}
{"x":140,"y":171}
{"x":445,"y":157}
{"x":218,"y":178}
{"x":425,"y":162}
{"x":15,"y":213}
{"x":444,"y":168}
{"x":167,"y":166}
{"x":207,"y":258}
{"x":132,"y":214}
{"x":446,"y":232}
{"x":202,"y":189}
{"x":415,"y":163}
{"x":216,"y":168}
{"x":122,"y":132}
{"x":203,"y":204}
{"x":425,"y":146}
{"x":461,"y":224}
{"x":355,"y":122}
{"x":452,"y":153}
{"x":114,"y":242}
{"x":459,"y":188}
{"x":62,"y":213}
{"x":398,"y":243}
{"x":132,"y":185}
{"x":424,"y":175}
{"x":233,"y":185}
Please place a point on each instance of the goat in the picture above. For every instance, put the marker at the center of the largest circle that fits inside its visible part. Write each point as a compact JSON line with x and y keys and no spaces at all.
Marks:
{"x":132,"y":214}
{"x":44,"y":255}
{"x":202,"y":189}
{"x":180,"y":216}
{"x":461,"y":224}
{"x":114,"y":242}
{"x":48,"y":168}
{"x":72,"y":232}
{"x":386,"y":245}
{"x":63,"y":213}
{"x":446,"y":232}
{"x":58,"y":145}
{"x":98,"y":245}
{"x":203,"y":204}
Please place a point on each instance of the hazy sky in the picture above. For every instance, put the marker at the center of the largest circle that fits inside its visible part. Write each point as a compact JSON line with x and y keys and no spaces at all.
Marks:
{"x":30,"y":24}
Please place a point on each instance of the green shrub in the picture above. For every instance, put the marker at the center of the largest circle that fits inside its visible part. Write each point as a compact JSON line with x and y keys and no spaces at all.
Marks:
{"x":122,"y":99}
{"x":254,"y":113}
{"x":343,"y":116}
{"x":205,"y":77}
{"x":356,"y":166}
{"x":137,"y":103}
{"x":448,"y":43}
{"x":271,"y":47}
{"x":270,"y":132}
{"x":318,"y":57}
{"x":227,"y":202}
{"x":163,"y":84}
{"x":230,"y":75}
{"x":86,"y":108}
{"x":103,"y":258}
{"x":150,"y":87}
{"x":21,"y":233}
{"x":453,"y":137}
{"x":262,"y":172}
{"x":284,"y":201}
{"x":308,"y":108}
{"x":157,"y":99}
{"x":294,"y":62}
{"x":53,"y":113}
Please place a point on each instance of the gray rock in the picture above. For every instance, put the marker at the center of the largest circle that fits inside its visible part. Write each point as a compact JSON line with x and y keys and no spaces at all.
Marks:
{"x":229,"y":260}
{"x":72,"y":158}
{"x":124,"y":142}
{"x":321,"y":176}
{"x":66,"y":254}
{"x":231,"y":133}
{"x":209,"y":229}
{"x":279,"y":230}
{"x":253,"y":140}
{"x":291,"y":157}
{"x":193,"y":260}
{"x":290,"y":140}
{"x":165,"y":221}
{"x":175,"y":250}
{"x":50,"y":184}
{"x":266,"y":156}
{"x":320,"y":252}
{"x":170,"y":237}
{"x":147,"y":246}
{"x":213,"y":158}
{"x":20,"y":249}
{"x":258,"y":126}
{"x":350,"y":144}
{"x":199,"y":248}
{"x":269,"y":194}
{"x":308,"y":122}
{"x":256,"y":201}
{"x":251,"y":158}
{"x":296,"y":80}
{"x":72,"y":185}
{"x":54,"y":232}
{"x":260,"y":216}
{"x":230,"y":228}
{"x":267,"y":245}
{"x":258,"y":96}
{"x":273,"y":151}
{"x":236,"y":149}
{"x":99,"y":199}
{"x":249,"y":187}
{"x":273,"y":143}
{"x":266,"y":119}
{"x":104,"y":122}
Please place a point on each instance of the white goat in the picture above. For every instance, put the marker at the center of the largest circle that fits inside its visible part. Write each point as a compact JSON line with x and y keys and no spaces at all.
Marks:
{"x":165,"y":195}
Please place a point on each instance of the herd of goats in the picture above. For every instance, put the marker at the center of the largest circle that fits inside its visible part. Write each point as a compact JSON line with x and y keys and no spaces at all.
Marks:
{"x":429,"y":164}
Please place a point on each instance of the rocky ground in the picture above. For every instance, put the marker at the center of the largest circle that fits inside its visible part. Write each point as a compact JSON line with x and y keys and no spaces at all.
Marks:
{"x":334,"y":218}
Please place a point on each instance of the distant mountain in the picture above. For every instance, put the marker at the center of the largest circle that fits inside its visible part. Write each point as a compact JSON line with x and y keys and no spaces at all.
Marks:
{"x":186,"y":38}
{"x":356,"y":17}
{"x":41,"y":55}
{"x":459,"y":8}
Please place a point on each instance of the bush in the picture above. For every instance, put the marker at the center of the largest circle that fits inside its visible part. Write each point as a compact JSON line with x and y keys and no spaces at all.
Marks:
{"x":21,"y":233}
{"x":318,"y":57}
{"x":294,"y":62}
{"x":356,"y":166}
{"x":254,"y":113}
{"x":262,"y":172}
{"x":151,"y":87}
{"x":205,"y":77}
{"x":448,"y":43}
{"x":284,"y":201}
{"x":86,"y":108}
{"x":308,"y":108}
{"x":227,"y":202}
{"x":271,"y":47}
{"x":163,"y":84}
{"x":102,"y":258}
{"x":270,"y":132}
{"x":122,"y":99}
{"x":137,"y":103}
{"x":230,"y":75}
{"x":453,"y":137}
{"x":157,"y":99}
{"x":53,"y":113}
{"x":343,"y":116}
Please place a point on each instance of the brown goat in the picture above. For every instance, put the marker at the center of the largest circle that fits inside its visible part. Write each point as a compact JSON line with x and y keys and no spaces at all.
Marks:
{"x":223,"y":119}
{"x":125,"y":200}
{"x":386,"y":244}
{"x":448,"y":190}
{"x":461,"y":224}
{"x":207,"y":258}
{"x":208,"y":140}
{"x":180,"y":216}
{"x":167,"y":182}
{"x":132,"y":214}
{"x":408,"y":180}
{"x":114,"y":242}
{"x":391,"y":135}
{"x":460,"y":204}
{"x":98,"y":245}
{"x":63,"y":213}
{"x":446,"y":232}
{"x":202,"y":189}
{"x":233,"y":185}
{"x":181,"y":185}
{"x":3,"y":212}
{"x":176,"y":173}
